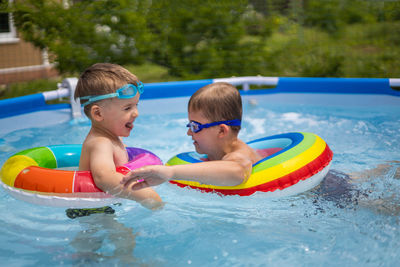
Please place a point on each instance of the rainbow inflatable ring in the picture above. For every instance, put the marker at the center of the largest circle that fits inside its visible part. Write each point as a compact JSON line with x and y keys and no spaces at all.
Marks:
{"x":293,"y":163}
{"x":31,"y":175}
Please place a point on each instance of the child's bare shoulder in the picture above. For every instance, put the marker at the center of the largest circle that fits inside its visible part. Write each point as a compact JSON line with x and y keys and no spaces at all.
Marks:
{"x":243,"y":153}
{"x":97,"y":143}
{"x":240,"y":155}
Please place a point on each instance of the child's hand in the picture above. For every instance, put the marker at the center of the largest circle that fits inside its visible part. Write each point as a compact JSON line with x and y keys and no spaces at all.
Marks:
{"x":147,"y":176}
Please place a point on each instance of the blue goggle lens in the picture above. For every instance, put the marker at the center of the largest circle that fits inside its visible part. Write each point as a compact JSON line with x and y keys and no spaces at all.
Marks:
{"x":130,"y":90}
{"x":126,"y":91}
{"x":194,"y":126}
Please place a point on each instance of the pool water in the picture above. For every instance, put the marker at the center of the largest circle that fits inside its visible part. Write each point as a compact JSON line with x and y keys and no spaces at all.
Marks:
{"x":343,"y":222}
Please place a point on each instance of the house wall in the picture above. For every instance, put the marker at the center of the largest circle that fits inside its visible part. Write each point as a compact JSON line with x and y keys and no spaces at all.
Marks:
{"x":21,"y":61}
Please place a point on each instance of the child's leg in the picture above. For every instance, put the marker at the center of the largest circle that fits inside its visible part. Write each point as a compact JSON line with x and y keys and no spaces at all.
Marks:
{"x":388,"y":205}
{"x":376,"y":172}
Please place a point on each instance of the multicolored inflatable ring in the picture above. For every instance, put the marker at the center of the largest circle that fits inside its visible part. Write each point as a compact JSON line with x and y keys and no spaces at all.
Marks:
{"x":293,"y":163}
{"x":31,"y":175}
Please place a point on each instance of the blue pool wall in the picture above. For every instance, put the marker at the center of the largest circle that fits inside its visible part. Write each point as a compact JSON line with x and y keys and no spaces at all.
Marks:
{"x":377,"y":86}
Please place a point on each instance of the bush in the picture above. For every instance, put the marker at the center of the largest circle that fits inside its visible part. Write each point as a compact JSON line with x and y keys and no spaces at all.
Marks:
{"x":86,"y":32}
{"x":207,"y":38}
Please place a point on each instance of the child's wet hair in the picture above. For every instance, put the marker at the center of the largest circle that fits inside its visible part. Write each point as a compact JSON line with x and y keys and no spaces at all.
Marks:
{"x":101,"y":79}
{"x":218,"y":102}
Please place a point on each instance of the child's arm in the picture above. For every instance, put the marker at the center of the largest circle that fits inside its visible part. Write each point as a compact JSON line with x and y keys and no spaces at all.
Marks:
{"x":230,"y":171}
{"x":108,"y":179}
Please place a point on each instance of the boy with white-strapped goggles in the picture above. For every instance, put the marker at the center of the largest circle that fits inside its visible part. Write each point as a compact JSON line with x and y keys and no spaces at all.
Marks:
{"x":215,"y":113}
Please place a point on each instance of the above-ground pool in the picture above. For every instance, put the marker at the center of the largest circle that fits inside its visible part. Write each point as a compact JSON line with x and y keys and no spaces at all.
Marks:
{"x":350,"y":219}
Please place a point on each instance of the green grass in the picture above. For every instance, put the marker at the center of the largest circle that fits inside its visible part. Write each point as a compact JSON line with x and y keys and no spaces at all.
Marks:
{"x":356,"y":51}
{"x":151,"y":73}
{"x":27,"y":88}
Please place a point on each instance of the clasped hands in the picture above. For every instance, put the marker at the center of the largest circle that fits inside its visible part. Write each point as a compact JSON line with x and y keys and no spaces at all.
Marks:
{"x":146,"y":176}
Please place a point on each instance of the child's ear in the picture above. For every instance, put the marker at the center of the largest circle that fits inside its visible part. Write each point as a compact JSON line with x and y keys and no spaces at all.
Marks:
{"x":223,"y":130}
{"x":96,"y":113}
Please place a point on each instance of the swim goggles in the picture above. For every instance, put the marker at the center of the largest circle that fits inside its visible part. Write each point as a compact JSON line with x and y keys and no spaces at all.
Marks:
{"x":125,"y":92}
{"x":197,"y":127}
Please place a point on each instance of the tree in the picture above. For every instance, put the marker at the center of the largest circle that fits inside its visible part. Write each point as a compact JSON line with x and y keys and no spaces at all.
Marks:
{"x":86,"y":32}
{"x":205,"y":38}
{"x":192,"y":38}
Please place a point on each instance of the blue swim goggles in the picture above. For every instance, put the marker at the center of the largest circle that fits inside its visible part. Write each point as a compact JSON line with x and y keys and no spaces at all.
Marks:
{"x":125,"y":92}
{"x":197,"y":126}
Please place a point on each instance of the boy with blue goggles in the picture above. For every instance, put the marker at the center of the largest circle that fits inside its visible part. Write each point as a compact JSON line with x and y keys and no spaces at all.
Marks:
{"x":125,"y":92}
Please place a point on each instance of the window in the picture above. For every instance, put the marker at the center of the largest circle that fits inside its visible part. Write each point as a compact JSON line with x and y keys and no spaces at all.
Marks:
{"x":8,"y":33}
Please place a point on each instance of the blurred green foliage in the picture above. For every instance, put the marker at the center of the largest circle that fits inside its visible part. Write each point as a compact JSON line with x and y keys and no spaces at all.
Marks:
{"x":148,"y":73}
{"x":209,"y":39}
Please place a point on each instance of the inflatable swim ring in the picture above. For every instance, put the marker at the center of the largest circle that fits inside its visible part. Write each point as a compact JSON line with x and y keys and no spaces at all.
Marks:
{"x":31,"y":175}
{"x":293,"y":163}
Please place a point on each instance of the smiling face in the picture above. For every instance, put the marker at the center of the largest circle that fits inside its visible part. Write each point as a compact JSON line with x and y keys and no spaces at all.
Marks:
{"x":118,"y":115}
{"x":205,"y":141}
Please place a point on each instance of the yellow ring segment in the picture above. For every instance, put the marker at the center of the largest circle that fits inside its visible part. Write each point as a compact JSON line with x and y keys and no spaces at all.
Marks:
{"x":14,"y":166}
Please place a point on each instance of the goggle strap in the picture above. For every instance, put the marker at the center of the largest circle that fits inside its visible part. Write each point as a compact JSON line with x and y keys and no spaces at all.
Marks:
{"x":230,"y":123}
{"x":97,"y":98}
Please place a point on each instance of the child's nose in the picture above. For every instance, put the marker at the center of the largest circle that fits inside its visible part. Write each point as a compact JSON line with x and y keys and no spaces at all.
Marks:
{"x":135,"y":112}
{"x":189,"y":132}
